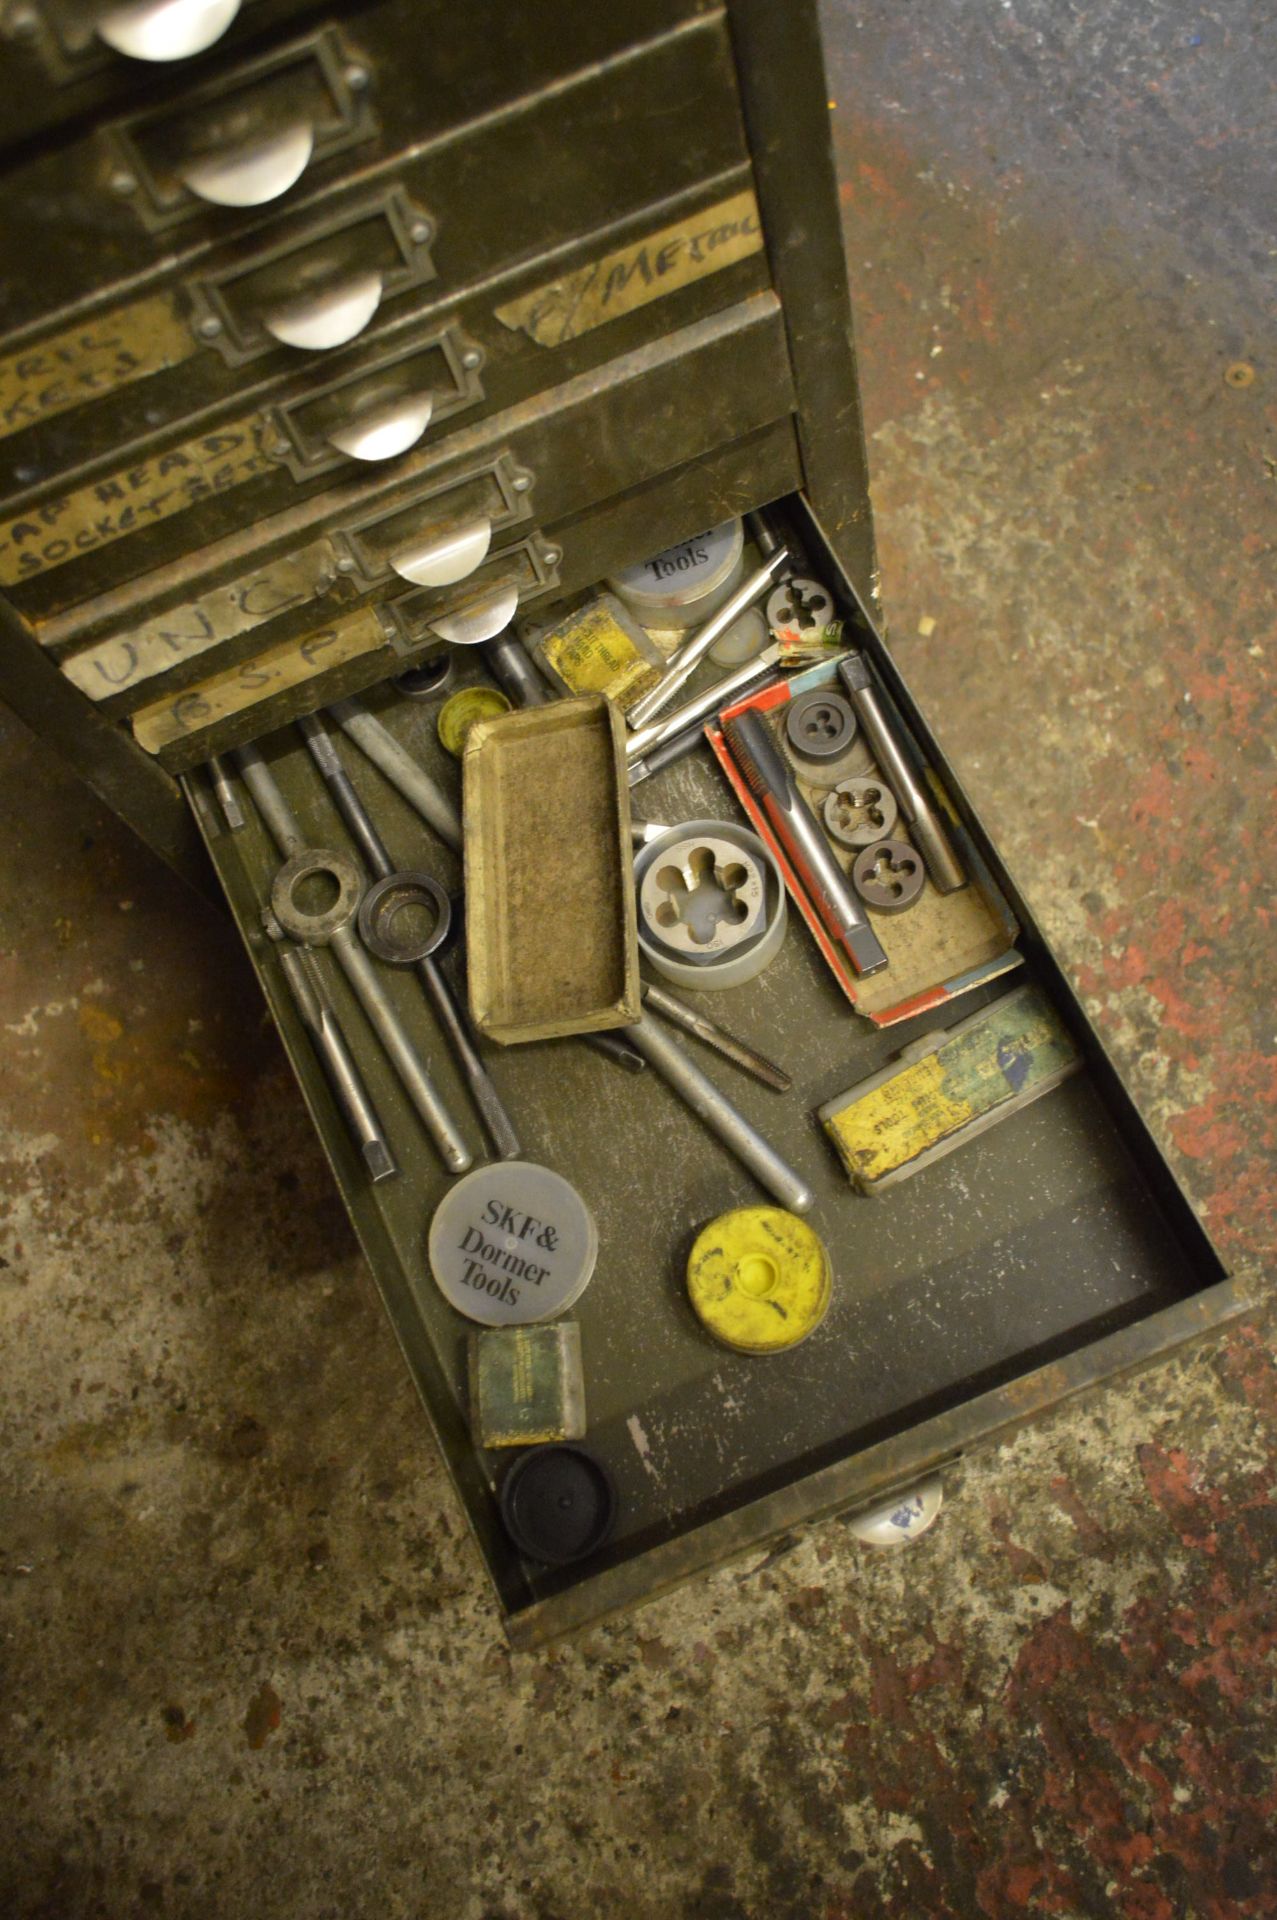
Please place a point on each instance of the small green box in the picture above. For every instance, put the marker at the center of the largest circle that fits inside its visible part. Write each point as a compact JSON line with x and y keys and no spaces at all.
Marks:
{"x":526,"y":1385}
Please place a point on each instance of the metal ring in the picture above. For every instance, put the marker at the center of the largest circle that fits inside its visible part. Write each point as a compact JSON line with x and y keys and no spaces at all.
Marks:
{"x":428,"y":679}
{"x":316,"y":929}
{"x":381,"y":906}
{"x":889,"y":876}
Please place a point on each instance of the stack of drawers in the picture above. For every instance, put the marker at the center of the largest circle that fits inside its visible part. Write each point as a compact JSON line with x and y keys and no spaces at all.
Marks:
{"x":354,"y":328}
{"x":335,"y":333}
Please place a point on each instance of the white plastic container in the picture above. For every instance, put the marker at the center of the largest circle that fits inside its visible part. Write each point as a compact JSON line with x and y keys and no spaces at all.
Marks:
{"x":684,"y":585}
{"x":511,"y":1244}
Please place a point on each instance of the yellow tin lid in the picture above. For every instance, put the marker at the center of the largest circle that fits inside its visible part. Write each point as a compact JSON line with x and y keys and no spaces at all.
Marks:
{"x":460,"y":711}
{"x":759,"y":1279}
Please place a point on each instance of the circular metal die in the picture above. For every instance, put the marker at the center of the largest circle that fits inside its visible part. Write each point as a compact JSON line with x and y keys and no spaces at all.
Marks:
{"x":860,"y":812}
{"x":820,"y":725}
{"x":798,"y":607}
{"x":825,"y":775}
{"x":384,"y":930}
{"x":889,"y":876}
{"x":703,"y":969}
{"x":315,"y":926}
{"x":427,"y":681}
{"x":703,"y":896}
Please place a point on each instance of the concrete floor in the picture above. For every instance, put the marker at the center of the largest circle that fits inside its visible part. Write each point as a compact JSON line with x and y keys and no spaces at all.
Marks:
{"x":250,"y":1664}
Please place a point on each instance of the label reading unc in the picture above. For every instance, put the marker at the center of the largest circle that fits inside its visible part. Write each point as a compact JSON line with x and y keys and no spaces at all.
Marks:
{"x":511,"y":1244}
{"x":129,"y":660}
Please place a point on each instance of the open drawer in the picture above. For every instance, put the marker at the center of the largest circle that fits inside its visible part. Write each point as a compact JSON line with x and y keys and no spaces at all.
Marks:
{"x":1046,"y":1256}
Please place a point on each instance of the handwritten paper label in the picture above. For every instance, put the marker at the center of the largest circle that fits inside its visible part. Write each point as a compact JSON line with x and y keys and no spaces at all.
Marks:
{"x":127,"y":659}
{"x":83,"y":362}
{"x":48,"y":535}
{"x":647,"y":269}
{"x":290,"y":664}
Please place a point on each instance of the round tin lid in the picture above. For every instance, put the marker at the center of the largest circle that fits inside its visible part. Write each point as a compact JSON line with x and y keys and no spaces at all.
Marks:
{"x":460,"y":711}
{"x":512,"y":1243}
{"x":759,"y":1279}
{"x":558,"y":1504}
{"x":684,"y":575}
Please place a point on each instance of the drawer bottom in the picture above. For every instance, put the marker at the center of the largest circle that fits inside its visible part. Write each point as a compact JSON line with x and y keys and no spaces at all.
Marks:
{"x":1047,"y":1254}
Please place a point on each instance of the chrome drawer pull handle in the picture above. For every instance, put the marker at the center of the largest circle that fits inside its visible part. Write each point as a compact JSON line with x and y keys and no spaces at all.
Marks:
{"x":482,"y":620}
{"x":382,"y":432}
{"x":166,"y":29}
{"x":250,"y":175}
{"x":445,"y":558}
{"x":329,"y":318}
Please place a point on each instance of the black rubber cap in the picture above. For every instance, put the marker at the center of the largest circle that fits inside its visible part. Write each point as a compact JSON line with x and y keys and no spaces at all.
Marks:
{"x":558,"y":1504}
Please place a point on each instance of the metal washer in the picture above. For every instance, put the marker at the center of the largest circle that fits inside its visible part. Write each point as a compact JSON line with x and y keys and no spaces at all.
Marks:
{"x":385,"y":900}
{"x":316,"y":929}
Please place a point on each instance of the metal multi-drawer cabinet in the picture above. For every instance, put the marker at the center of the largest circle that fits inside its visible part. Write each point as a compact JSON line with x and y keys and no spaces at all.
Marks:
{"x":622,"y":316}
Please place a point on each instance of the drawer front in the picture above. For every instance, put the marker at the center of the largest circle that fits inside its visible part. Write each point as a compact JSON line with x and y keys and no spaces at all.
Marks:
{"x":251,"y":292}
{"x":357,"y":649}
{"x":642,"y":414}
{"x":55,"y":64}
{"x":277,"y":444}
